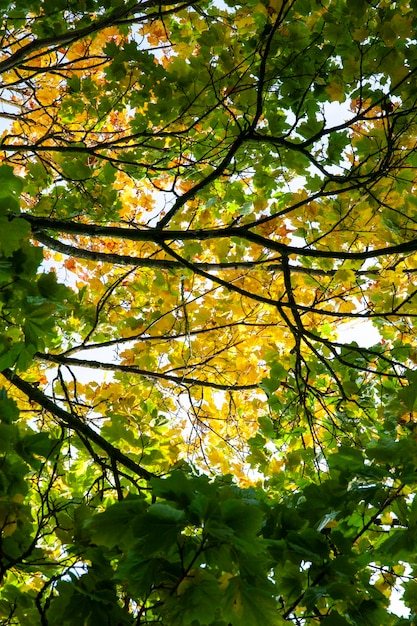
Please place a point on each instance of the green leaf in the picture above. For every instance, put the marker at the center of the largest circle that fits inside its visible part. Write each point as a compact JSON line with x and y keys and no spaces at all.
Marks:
{"x":245,"y":604}
{"x":12,"y":235}
{"x":410,"y":594}
{"x":266,"y":426}
{"x":408,"y":394}
{"x":245,"y":519}
{"x":10,"y":184}
{"x":198,"y":600}
{"x":346,"y":459}
{"x":9,"y":411}
{"x":39,"y":324}
{"x":309,"y":543}
{"x":75,"y":168}
{"x":158,"y":529}
{"x":105,"y":527}
{"x":34,"y":445}
{"x":165,"y":513}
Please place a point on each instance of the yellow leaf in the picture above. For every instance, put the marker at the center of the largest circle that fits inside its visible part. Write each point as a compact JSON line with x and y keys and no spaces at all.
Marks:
{"x":336,"y":91}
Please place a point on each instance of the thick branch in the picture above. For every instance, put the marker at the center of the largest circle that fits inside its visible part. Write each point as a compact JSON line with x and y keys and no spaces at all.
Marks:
{"x":159,"y":236}
{"x":75,"y":423}
{"x":130,"y":369}
{"x":271,"y":265}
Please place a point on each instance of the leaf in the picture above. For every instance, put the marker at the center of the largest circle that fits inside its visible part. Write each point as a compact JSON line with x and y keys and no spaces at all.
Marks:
{"x":266,"y":426}
{"x":277,"y":375}
{"x":336,"y":91}
{"x":346,"y":459}
{"x":34,"y":445}
{"x":12,"y":234}
{"x":245,"y":519}
{"x":75,"y":168}
{"x":408,"y":395}
{"x":158,"y":529}
{"x":199,"y":597}
{"x":38,"y":324}
{"x":105,"y":528}
{"x":10,"y":184}
{"x":9,"y":410}
{"x":410,"y":595}
{"x":245,"y":603}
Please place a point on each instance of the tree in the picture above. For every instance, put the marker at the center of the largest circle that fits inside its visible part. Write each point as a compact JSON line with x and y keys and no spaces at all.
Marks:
{"x":195,"y":199}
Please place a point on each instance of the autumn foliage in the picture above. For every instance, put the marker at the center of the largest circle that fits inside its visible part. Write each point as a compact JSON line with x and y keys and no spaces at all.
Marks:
{"x":208,"y":259}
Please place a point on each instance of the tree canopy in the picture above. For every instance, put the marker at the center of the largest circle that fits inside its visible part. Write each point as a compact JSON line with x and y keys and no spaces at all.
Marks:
{"x":199,"y":203}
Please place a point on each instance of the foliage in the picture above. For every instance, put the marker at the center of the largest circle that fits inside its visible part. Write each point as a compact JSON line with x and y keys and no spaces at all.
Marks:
{"x":197,"y":202}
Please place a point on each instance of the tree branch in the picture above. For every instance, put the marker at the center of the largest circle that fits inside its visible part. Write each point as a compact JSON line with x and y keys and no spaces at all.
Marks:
{"x":74,"y":423}
{"x":159,"y":236}
{"x":130,"y":369}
